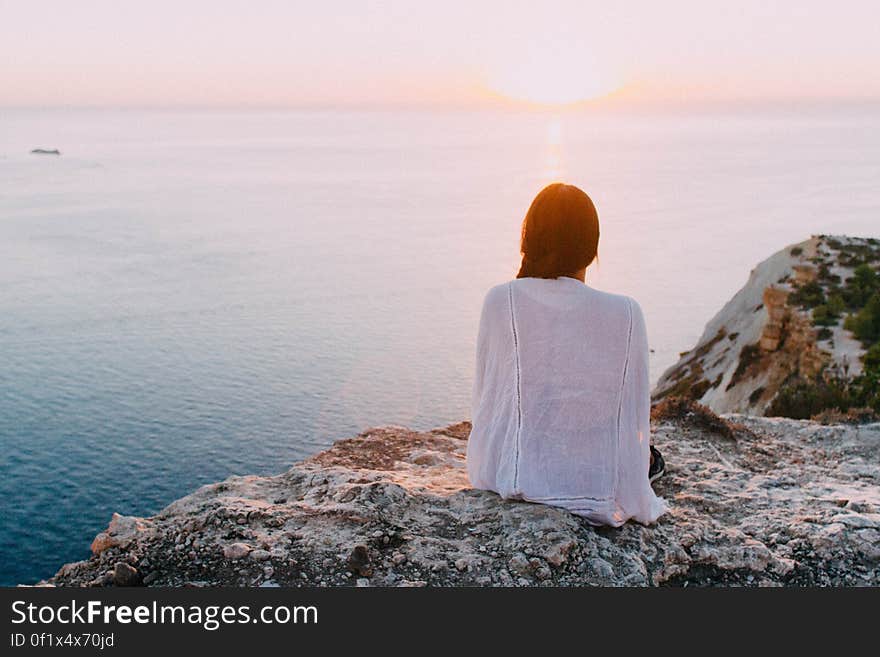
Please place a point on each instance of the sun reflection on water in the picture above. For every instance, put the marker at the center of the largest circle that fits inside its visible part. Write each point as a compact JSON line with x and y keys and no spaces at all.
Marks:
{"x":554,"y":160}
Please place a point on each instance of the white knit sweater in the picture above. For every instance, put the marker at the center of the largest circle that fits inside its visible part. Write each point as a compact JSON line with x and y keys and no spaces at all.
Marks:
{"x":561,"y":407}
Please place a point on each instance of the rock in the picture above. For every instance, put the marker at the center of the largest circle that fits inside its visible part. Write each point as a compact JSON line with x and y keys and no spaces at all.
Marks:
{"x":783,"y":566}
{"x":126,"y":575}
{"x":519,"y":564}
{"x":601,"y":568}
{"x":101,"y":542}
{"x":557,"y":553}
{"x":543,"y":572}
{"x":103,"y":579}
{"x":260,"y":555}
{"x":236,"y":551}
{"x":121,"y":532}
{"x":359,"y":561}
{"x":70,"y":569}
{"x":754,"y":502}
{"x":858,"y":520}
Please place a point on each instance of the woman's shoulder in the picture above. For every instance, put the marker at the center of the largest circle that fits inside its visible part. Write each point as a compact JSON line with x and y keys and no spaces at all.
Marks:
{"x":625,"y":304}
{"x":626,"y":309}
{"x":496,"y":300}
{"x":613,"y":298}
{"x":498,"y":295}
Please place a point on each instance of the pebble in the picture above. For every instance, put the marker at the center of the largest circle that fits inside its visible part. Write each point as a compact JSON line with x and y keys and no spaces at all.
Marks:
{"x":601,"y":568}
{"x":125,"y":575}
{"x":519,"y":564}
{"x":236,"y":551}
{"x":359,"y":561}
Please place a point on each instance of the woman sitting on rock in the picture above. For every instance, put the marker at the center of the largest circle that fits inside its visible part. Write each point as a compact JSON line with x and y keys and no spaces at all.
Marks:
{"x":561,"y":406}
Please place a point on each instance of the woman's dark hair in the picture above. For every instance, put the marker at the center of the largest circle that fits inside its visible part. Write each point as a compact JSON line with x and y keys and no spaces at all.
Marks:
{"x":560,"y":233}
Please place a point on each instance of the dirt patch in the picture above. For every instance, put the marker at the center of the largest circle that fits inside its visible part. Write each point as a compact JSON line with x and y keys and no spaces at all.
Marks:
{"x":381,"y":449}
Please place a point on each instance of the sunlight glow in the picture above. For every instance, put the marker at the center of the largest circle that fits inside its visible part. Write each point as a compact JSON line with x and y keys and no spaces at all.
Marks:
{"x":553,"y":76}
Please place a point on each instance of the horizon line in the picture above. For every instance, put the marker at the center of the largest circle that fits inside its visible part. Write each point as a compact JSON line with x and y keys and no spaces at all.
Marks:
{"x":608,"y":103}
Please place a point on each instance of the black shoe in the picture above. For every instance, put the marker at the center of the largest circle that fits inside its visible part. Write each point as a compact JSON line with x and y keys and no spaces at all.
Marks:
{"x":658,"y":465}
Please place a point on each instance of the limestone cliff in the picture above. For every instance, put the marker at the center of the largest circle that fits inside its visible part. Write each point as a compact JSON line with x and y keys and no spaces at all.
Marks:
{"x":754,"y":502}
{"x":764,"y":335}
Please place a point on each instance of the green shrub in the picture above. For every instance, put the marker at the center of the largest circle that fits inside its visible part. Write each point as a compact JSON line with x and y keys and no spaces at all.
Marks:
{"x":865,"y":324}
{"x":860,"y":287}
{"x":807,"y":398}
{"x":871,"y":360}
{"x":829,"y":313}
{"x":865,"y":390}
{"x":826,"y":275}
{"x":809,"y":295}
{"x":836,"y":304}
{"x":824,"y":316}
{"x":802,"y":399}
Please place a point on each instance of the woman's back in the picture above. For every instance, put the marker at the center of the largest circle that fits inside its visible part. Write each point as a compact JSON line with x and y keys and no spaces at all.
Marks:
{"x":561,"y":406}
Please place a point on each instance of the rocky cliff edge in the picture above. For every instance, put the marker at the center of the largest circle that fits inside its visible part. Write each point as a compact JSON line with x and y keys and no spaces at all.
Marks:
{"x":754,"y":501}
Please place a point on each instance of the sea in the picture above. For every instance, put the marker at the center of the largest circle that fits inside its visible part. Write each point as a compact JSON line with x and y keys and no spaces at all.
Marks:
{"x":189,"y":294}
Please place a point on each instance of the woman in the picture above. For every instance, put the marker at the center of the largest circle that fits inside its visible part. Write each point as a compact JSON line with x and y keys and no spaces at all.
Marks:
{"x":561,"y":405}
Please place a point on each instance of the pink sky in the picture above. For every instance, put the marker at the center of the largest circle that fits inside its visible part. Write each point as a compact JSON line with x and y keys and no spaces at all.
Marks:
{"x":288,"y":53}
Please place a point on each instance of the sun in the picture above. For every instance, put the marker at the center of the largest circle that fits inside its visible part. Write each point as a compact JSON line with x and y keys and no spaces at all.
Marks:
{"x":552,"y":77}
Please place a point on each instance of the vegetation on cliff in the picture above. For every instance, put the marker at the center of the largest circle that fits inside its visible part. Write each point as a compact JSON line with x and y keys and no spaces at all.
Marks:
{"x":857,"y":301}
{"x":803,"y":338}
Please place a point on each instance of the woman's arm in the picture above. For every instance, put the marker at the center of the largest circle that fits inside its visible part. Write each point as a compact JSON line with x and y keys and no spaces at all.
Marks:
{"x":634,"y":493}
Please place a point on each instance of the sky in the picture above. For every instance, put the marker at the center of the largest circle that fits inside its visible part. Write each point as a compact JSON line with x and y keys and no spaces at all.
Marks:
{"x":292,"y":53}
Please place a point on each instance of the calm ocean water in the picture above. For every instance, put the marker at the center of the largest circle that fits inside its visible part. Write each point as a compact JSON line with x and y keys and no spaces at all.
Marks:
{"x":188,"y":295}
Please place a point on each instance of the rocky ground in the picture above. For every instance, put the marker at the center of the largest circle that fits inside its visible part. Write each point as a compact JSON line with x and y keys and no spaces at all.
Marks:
{"x":755,"y":502}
